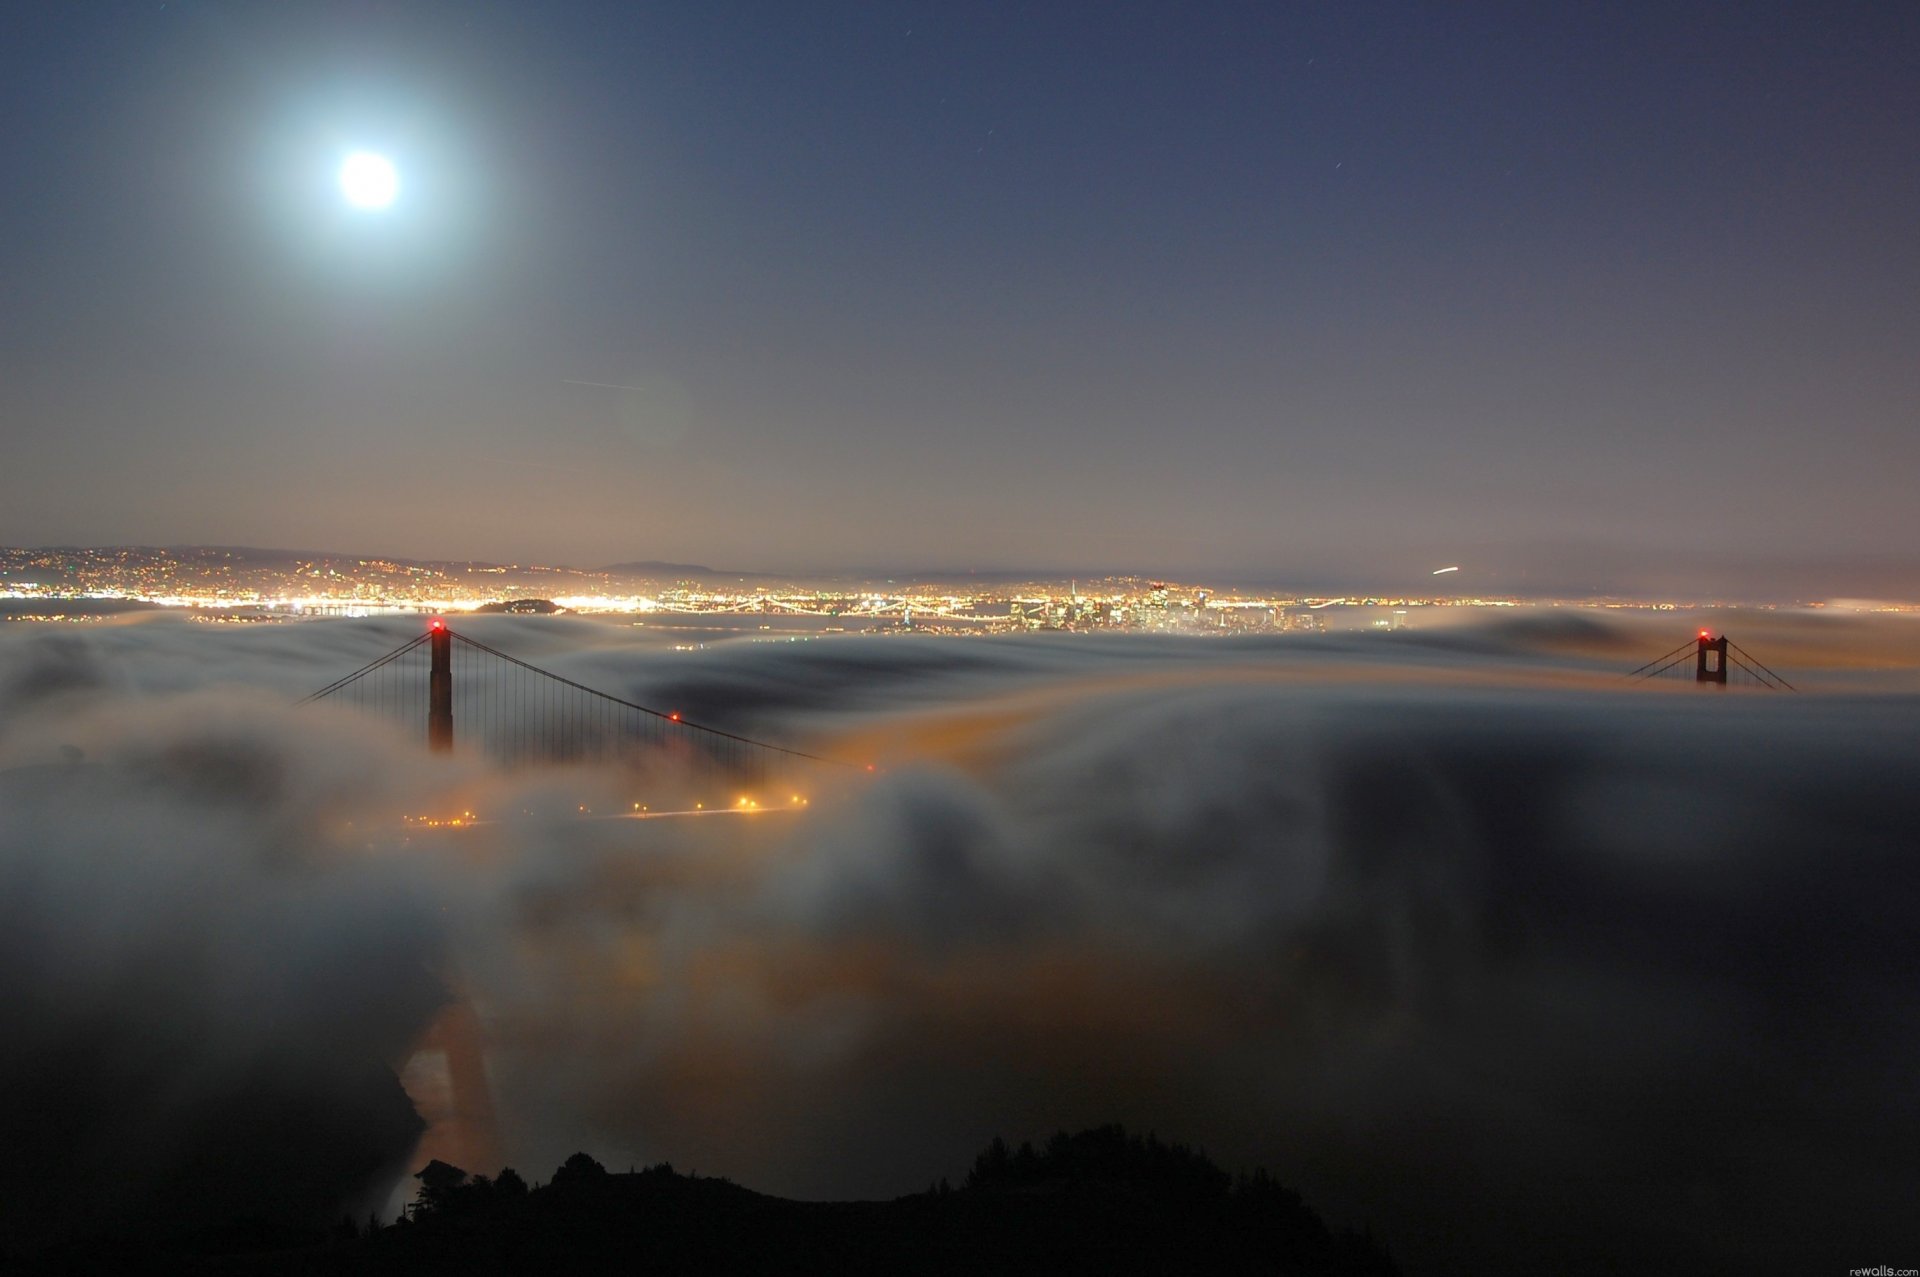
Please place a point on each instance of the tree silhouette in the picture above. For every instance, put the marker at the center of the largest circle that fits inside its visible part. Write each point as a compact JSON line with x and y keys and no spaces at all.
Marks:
{"x":439,"y":1182}
{"x":579,"y":1171}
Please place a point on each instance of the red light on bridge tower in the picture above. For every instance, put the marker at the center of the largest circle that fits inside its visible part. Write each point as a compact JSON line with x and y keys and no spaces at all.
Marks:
{"x":440,"y":688}
{"x":1710,"y":664}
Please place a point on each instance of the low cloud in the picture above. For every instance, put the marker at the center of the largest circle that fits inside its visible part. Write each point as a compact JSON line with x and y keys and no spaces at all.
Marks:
{"x":1450,"y":929}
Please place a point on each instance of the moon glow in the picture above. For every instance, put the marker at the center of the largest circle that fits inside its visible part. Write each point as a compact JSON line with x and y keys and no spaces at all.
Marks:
{"x":368,"y":180}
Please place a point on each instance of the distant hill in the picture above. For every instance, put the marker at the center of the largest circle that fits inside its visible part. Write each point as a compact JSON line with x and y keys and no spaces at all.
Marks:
{"x":267,"y":558}
{"x":258,"y":555}
{"x":653,"y":567}
{"x":645,"y":567}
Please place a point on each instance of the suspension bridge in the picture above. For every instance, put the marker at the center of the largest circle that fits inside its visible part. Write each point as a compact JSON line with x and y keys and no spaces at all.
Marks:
{"x":520,"y":714}
{"x":1717,"y":661}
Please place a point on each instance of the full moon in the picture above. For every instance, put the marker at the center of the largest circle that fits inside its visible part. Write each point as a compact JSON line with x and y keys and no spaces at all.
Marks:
{"x":368,"y":180}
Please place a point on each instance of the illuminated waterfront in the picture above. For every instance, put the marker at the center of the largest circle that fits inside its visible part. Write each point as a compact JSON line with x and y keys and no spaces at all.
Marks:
{"x":81,"y":584}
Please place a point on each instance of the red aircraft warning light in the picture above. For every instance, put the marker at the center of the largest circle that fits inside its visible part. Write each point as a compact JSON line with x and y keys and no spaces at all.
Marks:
{"x":437,"y":624}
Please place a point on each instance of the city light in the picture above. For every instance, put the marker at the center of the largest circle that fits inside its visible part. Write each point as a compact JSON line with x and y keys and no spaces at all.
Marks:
{"x":265,"y":586}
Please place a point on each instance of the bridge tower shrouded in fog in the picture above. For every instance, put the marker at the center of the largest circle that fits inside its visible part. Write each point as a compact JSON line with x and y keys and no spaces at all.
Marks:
{"x":440,"y":690}
{"x":1709,"y":667}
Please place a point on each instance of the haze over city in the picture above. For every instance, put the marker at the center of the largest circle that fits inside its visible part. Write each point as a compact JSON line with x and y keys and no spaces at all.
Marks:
{"x":966,"y":637}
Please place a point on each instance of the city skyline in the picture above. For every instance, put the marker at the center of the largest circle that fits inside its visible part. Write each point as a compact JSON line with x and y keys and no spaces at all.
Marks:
{"x":211,"y":576}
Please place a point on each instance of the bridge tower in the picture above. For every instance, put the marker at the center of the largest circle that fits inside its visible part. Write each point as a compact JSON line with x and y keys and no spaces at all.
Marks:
{"x":440,"y":689}
{"x":1710,"y":666}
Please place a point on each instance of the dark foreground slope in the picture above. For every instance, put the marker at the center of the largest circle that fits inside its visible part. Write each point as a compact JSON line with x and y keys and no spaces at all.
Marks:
{"x":1097,"y":1202}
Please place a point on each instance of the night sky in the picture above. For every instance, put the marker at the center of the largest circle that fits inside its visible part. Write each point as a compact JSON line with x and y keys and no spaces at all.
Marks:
{"x":1618,"y":295}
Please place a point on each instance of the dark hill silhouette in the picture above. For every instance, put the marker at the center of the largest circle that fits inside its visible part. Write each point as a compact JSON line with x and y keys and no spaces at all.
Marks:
{"x":1101,"y":1201}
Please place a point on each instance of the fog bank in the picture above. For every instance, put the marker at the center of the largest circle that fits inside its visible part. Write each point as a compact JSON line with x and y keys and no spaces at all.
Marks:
{"x":1453,"y":930}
